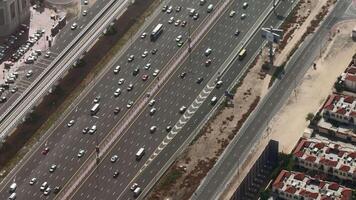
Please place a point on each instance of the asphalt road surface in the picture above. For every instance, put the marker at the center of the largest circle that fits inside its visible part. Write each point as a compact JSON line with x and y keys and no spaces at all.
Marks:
{"x":251,"y":131}
{"x":64,"y":37}
{"x":174,"y":94}
{"x":64,"y":142}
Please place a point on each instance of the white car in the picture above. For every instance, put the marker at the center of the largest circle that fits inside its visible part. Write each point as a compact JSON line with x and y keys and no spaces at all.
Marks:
{"x":130,"y":87}
{"x":131,"y":58}
{"x":169,"y":10}
{"x":44,"y":186}
{"x":145,"y":53}
{"x":71,"y":123}
{"x":244,"y":5}
{"x":92,"y":129}
{"x":152,"y":111}
{"x":153,"y":129}
{"x":232,"y":13}
{"x":74,"y":26}
{"x":33,"y":181}
{"x":134,"y":186}
{"x":121,"y":81}
{"x":170,"y":21}
{"x":52,"y":168}
{"x":143,"y":35}
{"x":179,"y":38}
{"x":85,"y":12}
{"x":47,"y":191}
{"x":152,"y":102}
{"x":117,"y":69}
{"x":81,"y":153}
{"x":177,"y":23}
{"x":155,"y":73}
{"x":114,"y":158}
{"x":207,"y":52}
{"x":243,"y":16}
{"x":147,"y":66}
{"x":182,"y":109}
{"x":129,"y":104}
{"x":29,"y":73}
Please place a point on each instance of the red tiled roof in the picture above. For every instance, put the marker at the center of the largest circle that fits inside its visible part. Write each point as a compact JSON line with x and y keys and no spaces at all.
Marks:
{"x":329,"y":102}
{"x":341,"y":111}
{"x":280,"y":177}
{"x":341,"y":153}
{"x":333,"y":186}
{"x":346,"y":194}
{"x":326,"y":198}
{"x":351,"y":70}
{"x":344,"y":168}
{"x":299,"y":176}
{"x":349,"y":99}
{"x":299,"y":154}
{"x":352,"y":155}
{"x":291,"y":190}
{"x":301,"y":145}
{"x":350,"y":77}
{"x":329,"y":107}
{"x":328,"y":162}
{"x":319,"y":145}
{"x":353,"y":114}
{"x":310,"y":158}
{"x":308,"y":194}
{"x":322,"y":184}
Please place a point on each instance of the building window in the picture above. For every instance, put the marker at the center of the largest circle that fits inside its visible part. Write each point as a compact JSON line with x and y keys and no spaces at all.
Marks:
{"x":12,"y":10}
{"x":24,"y":4}
{"x":2,"y":17}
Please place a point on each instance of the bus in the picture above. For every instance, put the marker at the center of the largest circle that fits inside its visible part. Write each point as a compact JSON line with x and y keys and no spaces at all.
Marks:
{"x":94,"y":109}
{"x":242,"y":54}
{"x":140,"y":153}
{"x":156,"y":32}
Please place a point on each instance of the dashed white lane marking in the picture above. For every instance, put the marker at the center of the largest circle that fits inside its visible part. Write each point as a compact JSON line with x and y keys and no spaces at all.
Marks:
{"x":199,"y":100}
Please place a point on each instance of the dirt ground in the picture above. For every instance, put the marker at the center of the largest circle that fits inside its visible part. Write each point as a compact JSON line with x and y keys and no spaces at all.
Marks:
{"x":316,"y":86}
{"x":201,"y":155}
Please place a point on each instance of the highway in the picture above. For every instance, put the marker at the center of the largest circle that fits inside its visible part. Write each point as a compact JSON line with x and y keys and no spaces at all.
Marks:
{"x":235,"y":154}
{"x":48,"y":70}
{"x":174,"y":94}
{"x":64,"y":142}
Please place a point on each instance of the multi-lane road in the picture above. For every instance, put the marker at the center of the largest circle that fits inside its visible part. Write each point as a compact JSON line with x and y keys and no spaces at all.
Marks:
{"x":64,"y":142}
{"x":68,"y":48}
{"x":218,"y":32}
{"x":219,"y":177}
{"x":174,"y":94}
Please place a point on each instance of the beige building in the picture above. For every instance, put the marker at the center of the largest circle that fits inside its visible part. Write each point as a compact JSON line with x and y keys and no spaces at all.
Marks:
{"x":12,"y":14}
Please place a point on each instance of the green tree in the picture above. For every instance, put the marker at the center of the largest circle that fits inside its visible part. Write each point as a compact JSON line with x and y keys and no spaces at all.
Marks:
{"x":309,"y":117}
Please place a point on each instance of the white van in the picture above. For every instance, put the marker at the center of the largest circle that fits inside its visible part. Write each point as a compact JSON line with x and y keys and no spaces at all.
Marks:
{"x":191,"y":12}
{"x":210,"y":8}
{"x":137,"y":192}
{"x":213,"y":100}
{"x":13,"y":187}
{"x":140,"y":153}
{"x":117,"y":92}
{"x":12,"y":196}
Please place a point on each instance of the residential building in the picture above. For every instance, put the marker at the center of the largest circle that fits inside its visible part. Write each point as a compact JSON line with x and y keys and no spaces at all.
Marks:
{"x":12,"y":14}
{"x":349,"y":78}
{"x":341,"y":108}
{"x":328,"y":157}
{"x":292,"y":185}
